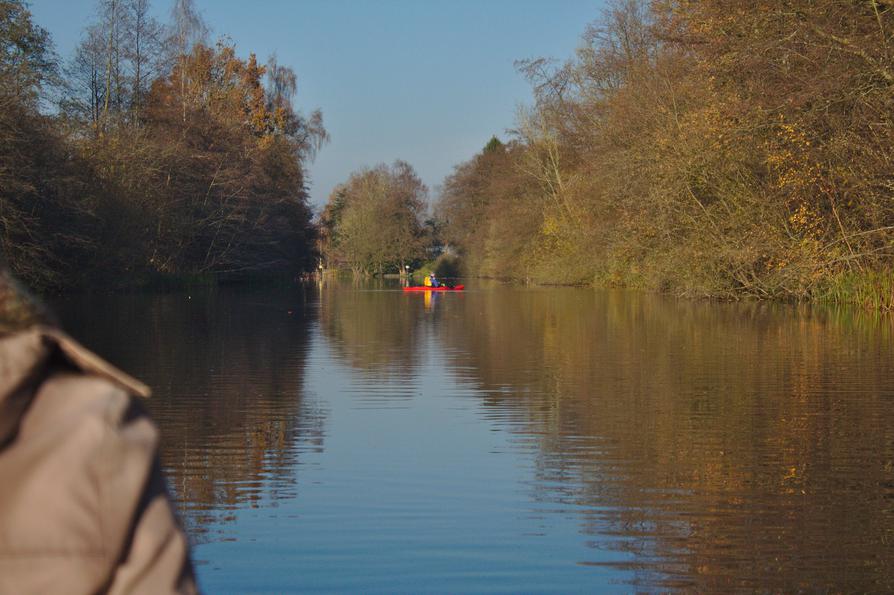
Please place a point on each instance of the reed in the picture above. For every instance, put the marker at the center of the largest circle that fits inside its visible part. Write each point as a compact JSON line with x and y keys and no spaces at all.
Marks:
{"x":872,"y":290}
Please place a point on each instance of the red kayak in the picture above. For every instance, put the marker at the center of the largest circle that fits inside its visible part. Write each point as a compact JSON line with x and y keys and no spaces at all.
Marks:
{"x":423,"y":288}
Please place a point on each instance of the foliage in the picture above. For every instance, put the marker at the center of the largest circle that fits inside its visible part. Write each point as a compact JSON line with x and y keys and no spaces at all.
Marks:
{"x":168,"y":157}
{"x":489,"y":212}
{"x":27,"y":60}
{"x":373,"y":222}
{"x":45,"y":199}
{"x":445,"y":266}
{"x":710,"y":148}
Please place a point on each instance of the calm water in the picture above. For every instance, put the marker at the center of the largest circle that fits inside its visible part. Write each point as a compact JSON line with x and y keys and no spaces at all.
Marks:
{"x":345,"y":438}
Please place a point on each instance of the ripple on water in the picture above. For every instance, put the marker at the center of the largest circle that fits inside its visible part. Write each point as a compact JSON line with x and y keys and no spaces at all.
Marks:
{"x":516,"y":440}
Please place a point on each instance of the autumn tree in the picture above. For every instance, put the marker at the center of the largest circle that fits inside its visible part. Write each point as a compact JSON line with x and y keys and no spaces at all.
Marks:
{"x":373,"y":222}
{"x":226,"y":192}
{"x":168,"y":157}
{"x":813,"y":87}
{"x":488,"y":213}
{"x":46,"y":221}
{"x":709,"y":148}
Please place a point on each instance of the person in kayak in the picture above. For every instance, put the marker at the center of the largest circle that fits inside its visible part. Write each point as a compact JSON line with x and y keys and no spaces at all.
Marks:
{"x":431,"y":280}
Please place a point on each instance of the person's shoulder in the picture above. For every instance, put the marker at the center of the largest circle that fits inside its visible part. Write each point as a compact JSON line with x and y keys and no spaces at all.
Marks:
{"x":88,"y":363}
{"x":80,"y":393}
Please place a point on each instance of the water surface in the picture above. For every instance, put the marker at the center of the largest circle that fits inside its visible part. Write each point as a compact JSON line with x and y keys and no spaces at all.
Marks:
{"x":347,"y":437}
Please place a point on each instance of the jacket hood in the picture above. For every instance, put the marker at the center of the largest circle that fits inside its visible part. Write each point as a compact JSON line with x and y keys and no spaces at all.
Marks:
{"x":25,"y":355}
{"x":29,"y":343}
{"x":22,"y":356}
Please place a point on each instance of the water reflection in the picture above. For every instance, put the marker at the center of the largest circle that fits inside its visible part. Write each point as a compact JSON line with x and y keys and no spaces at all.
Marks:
{"x":375,"y":327}
{"x":521,"y":439}
{"x":226,"y":368}
{"x":724,"y":446}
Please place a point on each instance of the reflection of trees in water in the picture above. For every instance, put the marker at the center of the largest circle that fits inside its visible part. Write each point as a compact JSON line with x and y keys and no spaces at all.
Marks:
{"x":718,"y":446}
{"x":375,"y":328}
{"x":226,"y":369}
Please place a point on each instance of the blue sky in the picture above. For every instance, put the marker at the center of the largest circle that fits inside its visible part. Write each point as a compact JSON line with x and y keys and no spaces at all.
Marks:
{"x":426,"y":81}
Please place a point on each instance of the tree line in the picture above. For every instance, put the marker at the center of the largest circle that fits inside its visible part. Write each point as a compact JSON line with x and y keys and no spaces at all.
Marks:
{"x":149,"y":153}
{"x":707,"y":147}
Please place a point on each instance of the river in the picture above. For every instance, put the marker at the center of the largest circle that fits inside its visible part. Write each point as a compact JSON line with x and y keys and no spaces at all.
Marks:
{"x":347,"y":437}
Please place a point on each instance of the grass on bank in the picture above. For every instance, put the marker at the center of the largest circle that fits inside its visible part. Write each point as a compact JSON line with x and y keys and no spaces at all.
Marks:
{"x":872,"y":290}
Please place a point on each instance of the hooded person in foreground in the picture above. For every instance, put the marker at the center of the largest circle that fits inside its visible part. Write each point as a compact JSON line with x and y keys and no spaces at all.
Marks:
{"x":83,"y":504}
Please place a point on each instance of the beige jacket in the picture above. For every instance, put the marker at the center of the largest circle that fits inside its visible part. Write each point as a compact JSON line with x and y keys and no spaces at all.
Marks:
{"x":83,"y":505}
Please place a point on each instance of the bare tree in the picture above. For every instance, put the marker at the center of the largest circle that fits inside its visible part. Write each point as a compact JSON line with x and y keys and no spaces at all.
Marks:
{"x":114,"y":63}
{"x":282,"y":83}
{"x":187,"y":29}
{"x":111,"y":18}
{"x":143,"y":49}
{"x":86,"y":85}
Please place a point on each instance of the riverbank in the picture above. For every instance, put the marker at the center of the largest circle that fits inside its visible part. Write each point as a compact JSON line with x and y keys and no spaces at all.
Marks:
{"x":165,"y":283}
{"x":691,"y":163}
{"x":871,"y":290}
